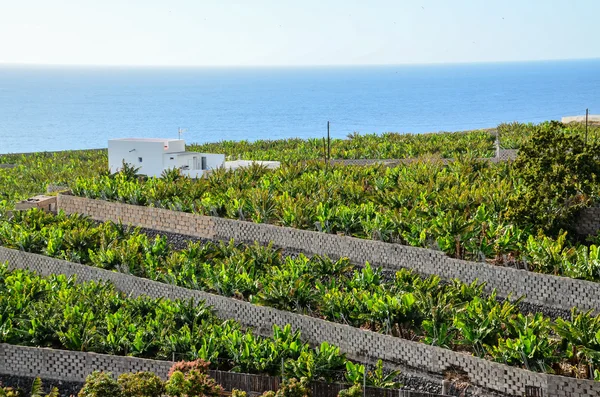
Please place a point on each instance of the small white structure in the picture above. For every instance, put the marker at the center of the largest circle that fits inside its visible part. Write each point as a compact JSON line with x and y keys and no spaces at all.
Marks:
{"x":234,"y":165}
{"x":154,"y":155}
{"x":592,"y":119}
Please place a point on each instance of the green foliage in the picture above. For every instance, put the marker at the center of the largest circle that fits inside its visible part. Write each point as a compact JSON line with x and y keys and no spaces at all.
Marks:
{"x":450,"y":315}
{"x":292,"y":388}
{"x":35,"y":171}
{"x":378,"y":378}
{"x":580,"y":337}
{"x":100,"y":384}
{"x":186,"y":366}
{"x":559,"y":173}
{"x":388,"y":145}
{"x":531,"y":347}
{"x":455,"y":206}
{"x":353,"y":391}
{"x":57,"y":312}
{"x":141,"y":384}
{"x":192,"y":384}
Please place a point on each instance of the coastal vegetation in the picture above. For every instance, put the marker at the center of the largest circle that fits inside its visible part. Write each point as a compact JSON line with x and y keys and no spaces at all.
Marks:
{"x":450,"y":315}
{"x":518,"y":213}
{"x":56,"y":312}
{"x":32,"y":173}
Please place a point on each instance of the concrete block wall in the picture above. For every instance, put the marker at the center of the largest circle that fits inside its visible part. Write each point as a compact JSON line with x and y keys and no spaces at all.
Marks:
{"x":71,"y":366}
{"x":356,"y":343}
{"x":540,"y":289}
{"x":507,"y":154}
{"x":503,"y":155}
{"x":588,"y":221}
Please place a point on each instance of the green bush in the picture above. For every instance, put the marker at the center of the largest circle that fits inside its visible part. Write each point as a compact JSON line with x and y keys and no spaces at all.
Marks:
{"x":186,"y":366}
{"x":559,"y":172}
{"x":141,"y":384}
{"x":192,"y":384}
{"x":354,"y":391}
{"x":100,"y":384}
{"x":291,"y":388}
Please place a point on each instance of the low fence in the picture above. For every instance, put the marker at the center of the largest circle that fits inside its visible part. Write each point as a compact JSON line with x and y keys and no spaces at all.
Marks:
{"x":502,"y":155}
{"x":539,"y":289}
{"x":358,"y":344}
{"x":73,"y":366}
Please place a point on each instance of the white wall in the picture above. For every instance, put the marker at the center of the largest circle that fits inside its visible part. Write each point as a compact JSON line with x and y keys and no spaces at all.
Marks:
{"x":176,"y":146}
{"x":180,"y":160}
{"x":151,"y":154}
{"x":214,"y":160}
{"x":155,"y":158}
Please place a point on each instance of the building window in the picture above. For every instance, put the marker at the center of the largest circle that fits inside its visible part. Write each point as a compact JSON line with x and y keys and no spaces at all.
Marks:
{"x":172,"y":158}
{"x":203,"y":162}
{"x":139,"y":159}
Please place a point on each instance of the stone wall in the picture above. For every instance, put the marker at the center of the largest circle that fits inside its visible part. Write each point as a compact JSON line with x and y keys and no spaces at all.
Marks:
{"x":507,"y":154}
{"x":356,"y":343}
{"x":503,"y":155}
{"x":70,"y":369}
{"x":588,"y":221}
{"x":71,"y":366}
{"x":540,"y":289}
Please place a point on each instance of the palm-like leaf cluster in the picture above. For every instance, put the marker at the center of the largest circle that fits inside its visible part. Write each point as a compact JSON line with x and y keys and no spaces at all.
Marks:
{"x":450,"y":315}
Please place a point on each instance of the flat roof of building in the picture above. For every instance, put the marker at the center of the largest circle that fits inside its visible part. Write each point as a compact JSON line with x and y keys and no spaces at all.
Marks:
{"x":147,"y":139}
{"x":186,"y":152}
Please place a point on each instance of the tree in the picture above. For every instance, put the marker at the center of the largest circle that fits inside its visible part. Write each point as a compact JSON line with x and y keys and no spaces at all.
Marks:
{"x":557,"y":171}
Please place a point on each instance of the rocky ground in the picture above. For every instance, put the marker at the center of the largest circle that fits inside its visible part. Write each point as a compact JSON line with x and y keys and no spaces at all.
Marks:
{"x":24,"y":383}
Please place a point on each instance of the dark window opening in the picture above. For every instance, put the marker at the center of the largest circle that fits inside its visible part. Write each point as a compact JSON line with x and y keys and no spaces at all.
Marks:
{"x":203,"y":160}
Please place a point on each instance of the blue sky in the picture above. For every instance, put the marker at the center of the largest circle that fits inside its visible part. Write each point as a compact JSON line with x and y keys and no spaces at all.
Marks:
{"x":285,"y":32}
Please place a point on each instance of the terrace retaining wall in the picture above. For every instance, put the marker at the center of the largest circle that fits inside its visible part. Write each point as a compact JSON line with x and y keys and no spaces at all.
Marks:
{"x":71,"y":366}
{"x":540,"y":289}
{"x":356,"y":343}
{"x":588,"y":221}
{"x":502,"y":155}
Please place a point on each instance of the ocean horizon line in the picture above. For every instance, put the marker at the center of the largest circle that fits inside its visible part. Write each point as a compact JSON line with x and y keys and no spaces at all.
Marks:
{"x":10,"y":65}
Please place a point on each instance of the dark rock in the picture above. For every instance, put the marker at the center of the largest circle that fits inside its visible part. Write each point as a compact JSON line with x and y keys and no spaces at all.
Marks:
{"x":24,"y":383}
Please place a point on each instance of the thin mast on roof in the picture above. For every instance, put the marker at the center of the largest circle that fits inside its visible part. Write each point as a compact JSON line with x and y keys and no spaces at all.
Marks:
{"x":181,"y":131}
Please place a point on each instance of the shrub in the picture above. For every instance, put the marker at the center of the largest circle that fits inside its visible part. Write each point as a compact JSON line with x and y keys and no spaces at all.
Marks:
{"x":100,"y":384}
{"x":559,"y":171}
{"x":192,"y":384}
{"x":9,"y":392}
{"x":238,"y":393}
{"x":291,"y":388}
{"x":141,"y":384}
{"x":186,"y":366}
{"x":354,"y":391}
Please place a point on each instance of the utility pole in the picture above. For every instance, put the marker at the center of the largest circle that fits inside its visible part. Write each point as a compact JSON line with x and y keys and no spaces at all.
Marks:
{"x":587,"y":112}
{"x":497,"y":144}
{"x":328,"y":144}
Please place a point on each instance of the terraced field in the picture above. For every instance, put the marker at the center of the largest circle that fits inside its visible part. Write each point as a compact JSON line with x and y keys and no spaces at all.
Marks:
{"x":506,"y":214}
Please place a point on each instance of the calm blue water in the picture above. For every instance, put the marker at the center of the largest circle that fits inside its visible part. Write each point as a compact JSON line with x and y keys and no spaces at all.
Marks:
{"x":70,"y":108}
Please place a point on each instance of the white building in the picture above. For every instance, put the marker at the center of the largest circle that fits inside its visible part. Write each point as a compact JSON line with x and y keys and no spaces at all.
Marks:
{"x":154,"y":155}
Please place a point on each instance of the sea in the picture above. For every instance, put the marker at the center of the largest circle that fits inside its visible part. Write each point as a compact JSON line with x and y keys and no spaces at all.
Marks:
{"x":59,"y":108}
